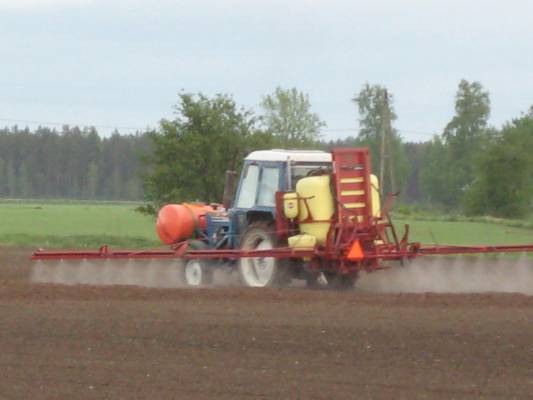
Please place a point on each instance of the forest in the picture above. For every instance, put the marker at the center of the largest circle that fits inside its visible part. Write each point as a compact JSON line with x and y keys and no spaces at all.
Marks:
{"x":70,"y":163}
{"x":470,"y":167}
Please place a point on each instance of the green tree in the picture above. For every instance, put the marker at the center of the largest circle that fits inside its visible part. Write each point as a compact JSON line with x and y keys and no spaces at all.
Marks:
{"x":70,"y":163}
{"x":3,"y":176}
{"x":23,"y":182}
{"x":370,"y":103}
{"x":11,"y":180}
{"x":415,"y":153}
{"x":92,"y":180}
{"x":472,"y":110}
{"x":191,"y":153}
{"x":372,"y":107}
{"x":465,"y":136}
{"x":132,"y":189}
{"x":116,"y":181}
{"x":287,"y":116}
{"x":504,"y":180}
{"x":436,"y":174}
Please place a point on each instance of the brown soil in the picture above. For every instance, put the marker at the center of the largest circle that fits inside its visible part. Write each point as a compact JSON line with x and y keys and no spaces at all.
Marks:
{"x":78,"y":342}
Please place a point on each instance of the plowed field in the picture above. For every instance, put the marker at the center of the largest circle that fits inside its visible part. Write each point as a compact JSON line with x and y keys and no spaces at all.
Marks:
{"x":87,"y":342}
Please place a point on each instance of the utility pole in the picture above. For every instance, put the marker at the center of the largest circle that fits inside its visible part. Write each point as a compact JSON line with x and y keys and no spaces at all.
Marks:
{"x":386,"y":156}
{"x":382,"y":147}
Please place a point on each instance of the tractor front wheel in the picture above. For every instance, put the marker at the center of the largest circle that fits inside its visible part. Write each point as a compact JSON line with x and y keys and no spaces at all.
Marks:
{"x":196,"y":272}
{"x":261,"y":271}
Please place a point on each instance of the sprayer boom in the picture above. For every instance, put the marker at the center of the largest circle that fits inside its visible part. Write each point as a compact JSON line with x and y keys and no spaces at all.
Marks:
{"x":181,"y":251}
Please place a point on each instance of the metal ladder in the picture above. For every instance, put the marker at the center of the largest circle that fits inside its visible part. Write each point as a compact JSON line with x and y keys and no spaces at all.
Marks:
{"x":351,"y":175}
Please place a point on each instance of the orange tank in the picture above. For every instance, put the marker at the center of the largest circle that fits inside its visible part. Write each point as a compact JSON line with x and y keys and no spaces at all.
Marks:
{"x":177,"y":222}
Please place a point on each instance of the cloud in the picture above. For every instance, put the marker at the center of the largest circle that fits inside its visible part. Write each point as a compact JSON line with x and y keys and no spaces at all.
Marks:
{"x":35,"y":4}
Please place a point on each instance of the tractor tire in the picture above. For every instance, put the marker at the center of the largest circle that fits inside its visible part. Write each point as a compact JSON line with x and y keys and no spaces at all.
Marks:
{"x":262,"y":271}
{"x":341,"y":281}
{"x":311,"y":281}
{"x":316,"y":281}
{"x":196,"y":272}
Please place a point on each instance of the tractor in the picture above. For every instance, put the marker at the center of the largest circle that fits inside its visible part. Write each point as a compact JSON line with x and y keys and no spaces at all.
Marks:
{"x":283,"y":199}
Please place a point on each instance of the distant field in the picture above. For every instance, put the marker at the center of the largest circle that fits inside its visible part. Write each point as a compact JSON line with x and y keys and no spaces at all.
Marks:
{"x":45,"y":224}
{"x":464,"y":233}
{"x":84,"y":224}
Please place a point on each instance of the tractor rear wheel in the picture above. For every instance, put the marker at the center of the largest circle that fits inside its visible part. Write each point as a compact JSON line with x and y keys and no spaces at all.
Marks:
{"x":261,"y":271}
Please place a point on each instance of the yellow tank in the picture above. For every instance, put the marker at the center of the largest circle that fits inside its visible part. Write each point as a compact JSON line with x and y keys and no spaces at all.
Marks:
{"x":302,"y":241}
{"x":374,"y":195}
{"x":317,"y":191}
{"x":290,"y":205}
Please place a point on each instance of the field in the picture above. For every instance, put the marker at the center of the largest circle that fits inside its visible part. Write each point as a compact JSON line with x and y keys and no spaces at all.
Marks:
{"x":465,"y":232}
{"x":78,"y":224}
{"x":87,"y":342}
{"x":226,"y":342}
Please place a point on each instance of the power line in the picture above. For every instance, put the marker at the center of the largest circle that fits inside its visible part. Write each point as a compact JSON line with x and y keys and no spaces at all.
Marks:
{"x":416,"y":132}
{"x":33,"y":122}
{"x":357,"y":130}
{"x":136,"y":128}
{"x":339,"y":129}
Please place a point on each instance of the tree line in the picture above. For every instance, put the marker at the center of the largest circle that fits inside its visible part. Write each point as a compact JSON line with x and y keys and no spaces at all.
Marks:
{"x":70,"y":163}
{"x":469,"y":167}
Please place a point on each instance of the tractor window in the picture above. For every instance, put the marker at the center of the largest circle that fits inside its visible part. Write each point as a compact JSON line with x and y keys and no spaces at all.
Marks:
{"x":248,"y":187}
{"x":268,"y":187}
{"x":301,"y":171}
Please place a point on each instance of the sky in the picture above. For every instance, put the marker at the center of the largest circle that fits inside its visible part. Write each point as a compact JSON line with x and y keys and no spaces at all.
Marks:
{"x":121,"y":64}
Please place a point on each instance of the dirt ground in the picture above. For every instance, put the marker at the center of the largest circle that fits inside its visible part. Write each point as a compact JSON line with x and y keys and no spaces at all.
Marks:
{"x":87,"y":342}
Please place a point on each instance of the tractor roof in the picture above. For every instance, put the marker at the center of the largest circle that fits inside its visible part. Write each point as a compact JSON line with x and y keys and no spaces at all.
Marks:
{"x":293,"y":155}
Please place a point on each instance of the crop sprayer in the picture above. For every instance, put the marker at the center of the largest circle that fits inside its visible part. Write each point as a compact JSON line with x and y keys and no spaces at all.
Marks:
{"x":308,"y":215}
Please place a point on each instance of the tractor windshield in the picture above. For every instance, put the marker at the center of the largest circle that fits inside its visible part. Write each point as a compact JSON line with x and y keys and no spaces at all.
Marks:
{"x":248,"y":187}
{"x":268,"y":187}
{"x":259,"y":186}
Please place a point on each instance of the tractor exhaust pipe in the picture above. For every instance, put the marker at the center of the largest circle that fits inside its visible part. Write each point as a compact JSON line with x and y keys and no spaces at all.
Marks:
{"x":229,"y":189}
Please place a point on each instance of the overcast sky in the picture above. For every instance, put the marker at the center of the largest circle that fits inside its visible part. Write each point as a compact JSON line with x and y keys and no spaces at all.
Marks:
{"x":122,"y":63}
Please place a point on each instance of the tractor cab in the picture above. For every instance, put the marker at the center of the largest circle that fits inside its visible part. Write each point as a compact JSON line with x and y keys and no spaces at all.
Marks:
{"x":264,"y":173}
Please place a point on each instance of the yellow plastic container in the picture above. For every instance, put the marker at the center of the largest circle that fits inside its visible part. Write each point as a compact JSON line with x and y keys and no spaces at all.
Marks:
{"x":290,"y":205}
{"x":374,"y":195}
{"x":317,"y":192}
{"x":302,"y":241}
